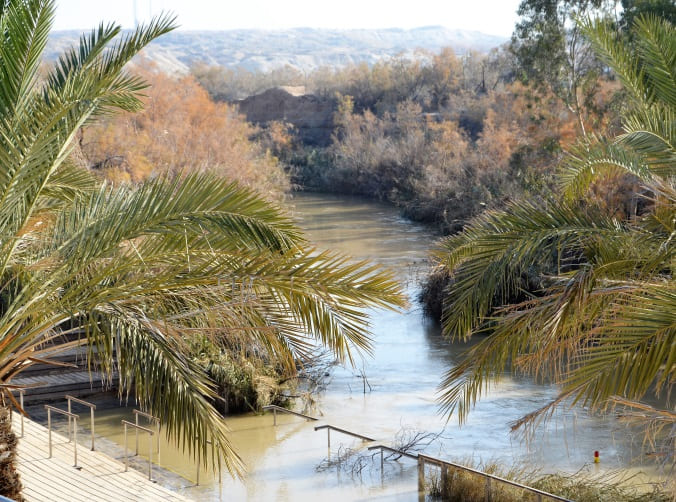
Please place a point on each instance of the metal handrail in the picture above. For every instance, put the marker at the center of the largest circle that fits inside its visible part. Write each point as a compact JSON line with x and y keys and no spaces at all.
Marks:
{"x":423,"y":459}
{"x":126,"y":424}
{"x":91,"y":406}
{"x":49,"y":429}
{"x":9,"y":388}
{"x":382,"y":447}
{"x":147,"y":415}
{"x":151,"y":418}
{"x":21,"y":394}
{"x":338,"y":429}
{"x":276,"y":408}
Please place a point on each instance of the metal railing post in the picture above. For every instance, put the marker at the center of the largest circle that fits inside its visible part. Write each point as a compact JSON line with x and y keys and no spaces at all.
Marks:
{"x":92,"y":407}
{"x":91,"y":414}
{"x":49,"y":430}
{"x":21,"y":393}
{"x":338,"y":429}
{"x":126,"y":457}
{"x":278,"y":409}
{"x":70,"y":435}
{"x":198,"y":467}
{"x":421,"y":474}
{"x":74,"y":441}
{"x":152,"y":419}
{"x":150,"y":446}
{"x":488,"y":489}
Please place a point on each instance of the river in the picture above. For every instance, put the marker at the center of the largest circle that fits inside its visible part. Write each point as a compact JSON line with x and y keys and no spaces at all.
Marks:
{"x":288,"y":462}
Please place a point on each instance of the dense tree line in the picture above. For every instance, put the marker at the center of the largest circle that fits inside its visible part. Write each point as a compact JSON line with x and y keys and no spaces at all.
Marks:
{"x":441,"y":136}
{"x":181,"y":130}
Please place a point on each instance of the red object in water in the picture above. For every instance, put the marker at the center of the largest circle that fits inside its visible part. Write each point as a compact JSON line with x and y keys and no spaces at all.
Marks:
{"x":597,"y":459}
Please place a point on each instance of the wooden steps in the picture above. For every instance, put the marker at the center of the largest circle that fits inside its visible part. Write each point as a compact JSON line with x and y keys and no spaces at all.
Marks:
{"x":52,"y":387}
{"x":101,"y":477}
{"x":50,"y":383}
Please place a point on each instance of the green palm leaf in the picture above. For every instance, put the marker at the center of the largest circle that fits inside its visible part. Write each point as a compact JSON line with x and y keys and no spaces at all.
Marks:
{"x":25,"y":29}
{"x":602,"y":323}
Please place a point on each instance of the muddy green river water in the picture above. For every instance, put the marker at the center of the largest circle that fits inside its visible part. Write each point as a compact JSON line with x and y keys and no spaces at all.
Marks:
{"x":287,"y":462}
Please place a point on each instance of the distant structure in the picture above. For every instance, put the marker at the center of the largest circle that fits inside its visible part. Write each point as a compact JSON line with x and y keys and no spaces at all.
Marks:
{"x":311,"y":116}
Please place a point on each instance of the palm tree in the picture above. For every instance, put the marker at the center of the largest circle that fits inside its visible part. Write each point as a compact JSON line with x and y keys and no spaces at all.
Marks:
{"x":603,"y":323}
{"x":138,"y":270}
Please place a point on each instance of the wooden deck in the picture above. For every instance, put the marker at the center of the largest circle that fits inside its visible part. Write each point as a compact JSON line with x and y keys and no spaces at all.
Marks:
{"x":53,"y":386}
{"x":101,"y":478}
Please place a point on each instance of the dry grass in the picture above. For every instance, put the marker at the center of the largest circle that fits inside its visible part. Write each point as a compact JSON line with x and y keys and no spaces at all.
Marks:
{"x":463,"y":486}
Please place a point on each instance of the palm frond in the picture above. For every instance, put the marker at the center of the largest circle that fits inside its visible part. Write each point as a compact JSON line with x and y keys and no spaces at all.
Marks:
{"x":593,"y":157}
{"x":94,"y":71}
{"x":196,"y":210}
{"x":25,"y":28}
{"x":166,"y":383}
{"x":609,"y":47}
{"x":657,"y":50}
{"x":492,"y":254}
{"x":632,"y":351}
{"x":651,"y":133}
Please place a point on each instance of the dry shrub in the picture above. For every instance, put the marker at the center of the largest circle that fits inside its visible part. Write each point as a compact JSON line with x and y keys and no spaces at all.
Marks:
{"x":10,"y":484}
{"x":181,"y":130}
{"x":464,"y":486}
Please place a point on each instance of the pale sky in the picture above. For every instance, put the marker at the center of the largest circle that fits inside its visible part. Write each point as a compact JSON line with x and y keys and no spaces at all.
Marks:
{"x":495,"y":17}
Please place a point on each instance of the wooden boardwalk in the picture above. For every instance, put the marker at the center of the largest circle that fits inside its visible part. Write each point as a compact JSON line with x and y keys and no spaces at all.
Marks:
{"x":53,"y":386}
{"x":101,"y":478}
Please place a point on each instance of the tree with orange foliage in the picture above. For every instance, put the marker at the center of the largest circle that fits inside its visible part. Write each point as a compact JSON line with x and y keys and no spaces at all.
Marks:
{"x":181,"y":130}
